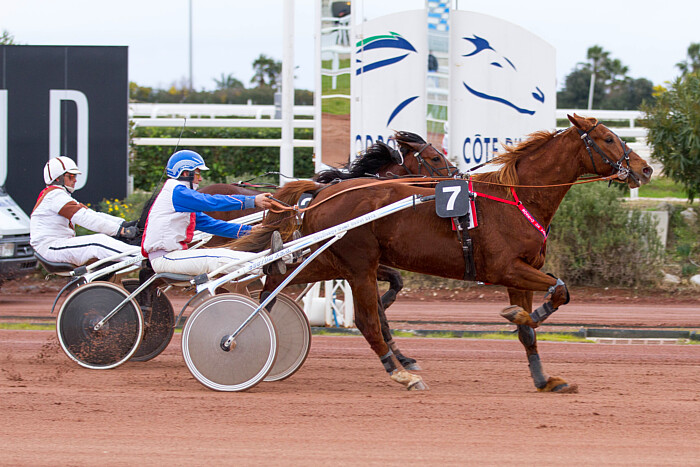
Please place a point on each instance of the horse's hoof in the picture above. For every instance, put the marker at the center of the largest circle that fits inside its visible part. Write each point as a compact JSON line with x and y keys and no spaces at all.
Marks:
{"x":517,"y":315}
{"x":418,"y":386}
{"x":411,"y":381}
{"x":558,"y":385}
{"x":412,"y":367}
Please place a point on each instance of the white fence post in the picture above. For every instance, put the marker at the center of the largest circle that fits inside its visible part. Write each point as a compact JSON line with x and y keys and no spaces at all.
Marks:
{"x":329,"y":310}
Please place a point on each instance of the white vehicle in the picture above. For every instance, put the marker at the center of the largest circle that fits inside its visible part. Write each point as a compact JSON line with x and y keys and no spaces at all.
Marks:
{"x":16,"y":255}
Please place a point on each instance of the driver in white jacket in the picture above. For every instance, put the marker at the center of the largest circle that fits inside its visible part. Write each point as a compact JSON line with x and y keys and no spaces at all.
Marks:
{"x":56,"y":213}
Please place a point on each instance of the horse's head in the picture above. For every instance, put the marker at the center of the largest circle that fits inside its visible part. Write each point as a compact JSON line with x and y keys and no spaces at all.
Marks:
{"x":417,"y":157}
{"x":608,"y":154}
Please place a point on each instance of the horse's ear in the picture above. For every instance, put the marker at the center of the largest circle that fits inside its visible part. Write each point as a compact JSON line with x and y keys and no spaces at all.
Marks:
{"x":582,"y":123}
{"x":575,"y":121}
{"x":410,"y":146}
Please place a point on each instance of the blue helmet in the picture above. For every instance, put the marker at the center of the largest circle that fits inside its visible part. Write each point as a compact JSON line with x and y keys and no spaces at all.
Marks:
{"x":184,"y":160}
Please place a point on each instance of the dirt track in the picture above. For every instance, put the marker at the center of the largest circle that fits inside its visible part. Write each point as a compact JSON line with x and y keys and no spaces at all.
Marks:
{"x":637,"y":404}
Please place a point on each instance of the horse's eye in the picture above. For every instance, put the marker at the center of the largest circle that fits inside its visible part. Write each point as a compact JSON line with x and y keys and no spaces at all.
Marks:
{"x":436,"y":159}
{"x":609,"y":139}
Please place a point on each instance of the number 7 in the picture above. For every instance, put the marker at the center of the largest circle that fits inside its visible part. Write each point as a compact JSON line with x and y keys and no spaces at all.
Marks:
{"x":453,"y":197}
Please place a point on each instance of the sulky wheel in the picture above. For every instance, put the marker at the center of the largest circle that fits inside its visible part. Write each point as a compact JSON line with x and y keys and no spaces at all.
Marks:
{"x":247,"y":362}
{"x":158,"y":320}
{"x":115,"y":342}
{"x":293,"y":336}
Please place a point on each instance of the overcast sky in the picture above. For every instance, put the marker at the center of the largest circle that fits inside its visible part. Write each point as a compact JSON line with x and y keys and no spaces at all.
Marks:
{"x":650,"y":37}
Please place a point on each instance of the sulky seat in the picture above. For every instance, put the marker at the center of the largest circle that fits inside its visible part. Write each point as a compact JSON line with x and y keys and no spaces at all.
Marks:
{"x":55,"y":268}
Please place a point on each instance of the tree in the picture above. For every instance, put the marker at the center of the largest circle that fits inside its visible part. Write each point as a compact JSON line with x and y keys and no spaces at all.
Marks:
{"x":598,"y":57}
{"x":629,"y":94}
{"x":574,"y":94}
{"x":692,"y":62}
{"x":267,"y":71}
{"x":603,"y":83}
{"x":228,"y":82}
{"x":673,"y":121}
{"x":7,"y":39}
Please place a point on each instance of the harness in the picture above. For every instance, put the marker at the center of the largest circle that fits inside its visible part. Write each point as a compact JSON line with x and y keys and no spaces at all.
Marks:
{"x":432,"y":171}
{"x":622,"y":172}
{"x":462,"y":225}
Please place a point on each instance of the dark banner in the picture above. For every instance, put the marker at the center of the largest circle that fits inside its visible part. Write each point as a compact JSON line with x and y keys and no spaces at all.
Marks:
{"x":70,"y":101}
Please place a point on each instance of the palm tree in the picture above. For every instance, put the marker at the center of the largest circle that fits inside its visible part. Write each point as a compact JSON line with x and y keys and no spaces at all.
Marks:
{"x":227,"y":82}
{"x":598,"y":57}
{"x":267,"y":71}
{"x":6,"y":38}
{"x":692,"y":63}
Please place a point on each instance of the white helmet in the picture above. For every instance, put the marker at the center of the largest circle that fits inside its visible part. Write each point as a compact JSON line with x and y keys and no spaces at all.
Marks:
{"x":58,"y":166}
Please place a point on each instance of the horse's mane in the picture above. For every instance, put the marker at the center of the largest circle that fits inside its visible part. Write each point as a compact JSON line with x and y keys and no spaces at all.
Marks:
{"x":371,"y":160}
{"x":508,"y":175}
{"x":259,"y":239}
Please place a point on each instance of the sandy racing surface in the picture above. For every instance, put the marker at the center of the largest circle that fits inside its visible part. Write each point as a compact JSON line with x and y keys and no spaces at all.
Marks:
{"x":637,"y":403}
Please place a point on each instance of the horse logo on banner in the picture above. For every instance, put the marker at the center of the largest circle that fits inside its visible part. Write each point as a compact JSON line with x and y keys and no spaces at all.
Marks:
{"x":521,"y":103}
{"x":383,"y":43}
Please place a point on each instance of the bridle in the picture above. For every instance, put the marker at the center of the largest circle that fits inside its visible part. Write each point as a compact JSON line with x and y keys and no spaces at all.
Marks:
{"x":622,"y":172}
{"x":432,"y":171}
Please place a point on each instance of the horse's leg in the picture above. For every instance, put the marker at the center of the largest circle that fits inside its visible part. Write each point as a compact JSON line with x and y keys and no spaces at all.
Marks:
{"x":393,"y":277}
{"x":406,"y":362}
{"x":525,"y":277}
{"x":528,"y":337}
{"x":366,"y":303}
{"x":521,"y":302}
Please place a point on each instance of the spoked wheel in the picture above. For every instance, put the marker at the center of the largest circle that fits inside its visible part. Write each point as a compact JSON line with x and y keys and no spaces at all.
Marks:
{"x":158,"y":320}
{"x":247,"y":362}
{"x":115,"y":342}
{"x":293,"y":336}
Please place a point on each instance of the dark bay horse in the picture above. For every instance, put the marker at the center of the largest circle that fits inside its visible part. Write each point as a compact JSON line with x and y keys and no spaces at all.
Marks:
{"x":508,"y":246}
{"x":414,"y":157}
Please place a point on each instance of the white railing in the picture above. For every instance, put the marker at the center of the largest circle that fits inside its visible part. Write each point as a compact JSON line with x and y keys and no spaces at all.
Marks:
{"x":209,"y":116}
{"x":626,"y":117}
{"x":260,"y":116}
{"x":211,"y":110}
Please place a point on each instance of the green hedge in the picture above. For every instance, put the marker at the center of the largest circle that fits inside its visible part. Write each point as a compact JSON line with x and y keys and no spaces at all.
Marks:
{"x":148,"y":162}
{"x":596,"y":241}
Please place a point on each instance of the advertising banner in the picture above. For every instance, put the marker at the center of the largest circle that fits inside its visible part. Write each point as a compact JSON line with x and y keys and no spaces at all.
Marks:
{"x":502,"y":86}
{"x":388,"y":74}
{"x":61,"y":100}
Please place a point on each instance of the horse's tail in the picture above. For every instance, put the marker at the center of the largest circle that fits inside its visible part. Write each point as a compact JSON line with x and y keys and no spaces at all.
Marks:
{"x":284,"y":221}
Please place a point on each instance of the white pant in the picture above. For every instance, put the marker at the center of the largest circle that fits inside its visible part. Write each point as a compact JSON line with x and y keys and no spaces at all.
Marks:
{"x":80,"y":250}
{"x":200,"y":261}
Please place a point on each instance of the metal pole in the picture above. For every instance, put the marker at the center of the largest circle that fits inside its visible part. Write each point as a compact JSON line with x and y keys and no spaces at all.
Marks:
{"x":190,"y":21}
{"x":591,"y":87}
{"x":287,"y":145}
{"x":318,"y":101}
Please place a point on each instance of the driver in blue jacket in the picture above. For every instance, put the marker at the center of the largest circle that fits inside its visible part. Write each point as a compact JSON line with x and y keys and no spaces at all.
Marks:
{"x":179,"y":209}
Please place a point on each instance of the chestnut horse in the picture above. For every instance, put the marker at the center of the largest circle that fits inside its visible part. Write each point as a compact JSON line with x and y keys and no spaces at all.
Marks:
{"x":415,"y":157}
{"x":508,"y":241}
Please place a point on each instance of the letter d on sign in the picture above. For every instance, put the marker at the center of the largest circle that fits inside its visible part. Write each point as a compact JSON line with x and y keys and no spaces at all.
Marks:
{"x":81,"y":102}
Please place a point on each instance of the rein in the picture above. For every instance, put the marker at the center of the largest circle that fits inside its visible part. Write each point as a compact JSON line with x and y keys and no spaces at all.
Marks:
{"x":621,"y":174}
{"x":282,"y":207}
{"x":409,"y":180}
